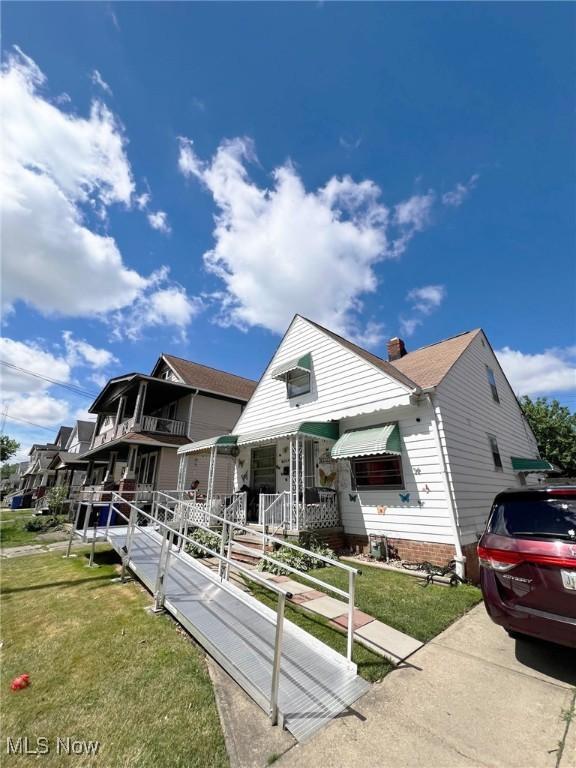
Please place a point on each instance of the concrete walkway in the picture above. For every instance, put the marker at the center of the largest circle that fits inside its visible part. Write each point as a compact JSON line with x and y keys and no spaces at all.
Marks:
{"x":471,"y":697}
{"x":374,"y":634}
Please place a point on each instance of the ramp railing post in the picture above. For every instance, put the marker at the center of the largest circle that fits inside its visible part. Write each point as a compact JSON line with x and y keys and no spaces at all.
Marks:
{"x":86,"y":519}
{"x":109,"y":518}
{"x":351,"y":595}
{"x":223,"y":541}
{"x":93,"y":548}
{"x":74,"y":529}
{"x":277,"y":658}
{"x":163,"y":565}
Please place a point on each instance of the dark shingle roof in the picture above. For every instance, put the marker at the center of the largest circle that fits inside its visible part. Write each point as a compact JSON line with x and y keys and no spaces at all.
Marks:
{"x":212,"y":379}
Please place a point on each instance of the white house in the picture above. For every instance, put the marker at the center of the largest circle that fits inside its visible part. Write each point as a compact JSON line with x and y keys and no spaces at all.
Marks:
{"x":336,"y":439}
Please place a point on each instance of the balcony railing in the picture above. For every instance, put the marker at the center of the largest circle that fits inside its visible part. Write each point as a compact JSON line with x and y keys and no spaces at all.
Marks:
{"x":146,"y":424}
{"x":275,"y":510}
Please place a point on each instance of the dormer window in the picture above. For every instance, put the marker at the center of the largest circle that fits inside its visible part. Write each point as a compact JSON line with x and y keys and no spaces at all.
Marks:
{"x":297,"y":375}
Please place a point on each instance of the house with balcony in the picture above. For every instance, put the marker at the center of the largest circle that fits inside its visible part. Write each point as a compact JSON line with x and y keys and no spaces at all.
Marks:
{"x":39,"y":475}
{"x":142,"y":420}
{"x":413,"y":448}
{"x":68,"y":466}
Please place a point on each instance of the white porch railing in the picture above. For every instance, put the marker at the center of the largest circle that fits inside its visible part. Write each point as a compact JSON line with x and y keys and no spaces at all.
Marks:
{"x":274,"y":509}
{"x":198,"y":511}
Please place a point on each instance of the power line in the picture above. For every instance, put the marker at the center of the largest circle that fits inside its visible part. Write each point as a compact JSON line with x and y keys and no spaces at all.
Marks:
{"x":57,"y":382}
{"x":32,"y":424}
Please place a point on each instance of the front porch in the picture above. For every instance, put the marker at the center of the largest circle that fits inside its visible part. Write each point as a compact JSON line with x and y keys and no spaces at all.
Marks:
{"x":287,"y":474}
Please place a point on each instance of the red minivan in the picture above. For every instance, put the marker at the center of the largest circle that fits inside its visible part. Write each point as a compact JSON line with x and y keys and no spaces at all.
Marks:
{"x":528,"y":563}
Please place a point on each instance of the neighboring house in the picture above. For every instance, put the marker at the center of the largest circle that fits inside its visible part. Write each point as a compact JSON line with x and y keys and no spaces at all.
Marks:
{"x":11,"y":483}
{"x":413,"y":448}
{"x":141,"y":420}
{"x":39,"y":476}
{"x":68,"y":466}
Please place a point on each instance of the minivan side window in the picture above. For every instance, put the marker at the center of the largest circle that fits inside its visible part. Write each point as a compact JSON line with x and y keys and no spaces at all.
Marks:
{"x":492,"y":383}
{"x":495,"y":453}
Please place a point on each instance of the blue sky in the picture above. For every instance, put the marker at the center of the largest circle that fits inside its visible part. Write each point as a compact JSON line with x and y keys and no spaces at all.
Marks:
{"x":388,"y":169}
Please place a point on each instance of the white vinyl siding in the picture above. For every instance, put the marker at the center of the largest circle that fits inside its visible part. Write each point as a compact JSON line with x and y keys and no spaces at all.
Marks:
{"x":342,"y":384}
{"x":422,"y":474}
{"x":468,"y":414}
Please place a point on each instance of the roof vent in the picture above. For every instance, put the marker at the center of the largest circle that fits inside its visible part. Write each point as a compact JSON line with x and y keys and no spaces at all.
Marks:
{"x":396,"y":349}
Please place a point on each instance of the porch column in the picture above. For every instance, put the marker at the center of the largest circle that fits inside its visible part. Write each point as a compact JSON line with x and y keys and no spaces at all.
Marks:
{"x":182,"y":472}
{"x":211,"y":473}
{"x":139,"y":407}
{"x":130,"y":471}
{"x":119,"y":412}
{"x":89,"y":470}
{"x":110,"y":466}
{"x":302,"y":486}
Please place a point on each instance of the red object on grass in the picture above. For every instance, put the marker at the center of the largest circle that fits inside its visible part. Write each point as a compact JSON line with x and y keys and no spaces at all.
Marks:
{"x":20,"y":682}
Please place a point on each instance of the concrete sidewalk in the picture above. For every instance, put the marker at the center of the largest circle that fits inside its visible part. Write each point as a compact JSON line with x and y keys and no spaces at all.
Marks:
{"x":471,"y":697}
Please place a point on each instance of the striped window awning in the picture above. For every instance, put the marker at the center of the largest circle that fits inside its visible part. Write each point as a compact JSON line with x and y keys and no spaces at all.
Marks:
{"x":531,"y":465}
{"x":325,"y":429}
{"x":368,"y":442}
{"x":204,"y":446}
{"x":303,"y":363}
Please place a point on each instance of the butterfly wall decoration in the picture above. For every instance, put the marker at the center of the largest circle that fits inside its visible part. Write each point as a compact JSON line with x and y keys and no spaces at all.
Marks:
{"x":326,"y":479}
{"x":353,"y":496}
{"x":404,"y":497}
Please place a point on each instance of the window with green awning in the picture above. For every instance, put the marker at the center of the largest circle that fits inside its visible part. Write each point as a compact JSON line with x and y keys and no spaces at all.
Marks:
{"x":531,"y":465}
{"x":372,"y":441}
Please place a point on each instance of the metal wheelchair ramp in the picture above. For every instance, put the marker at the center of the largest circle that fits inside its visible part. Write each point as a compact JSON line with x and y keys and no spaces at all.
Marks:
{"x":297,"y":679}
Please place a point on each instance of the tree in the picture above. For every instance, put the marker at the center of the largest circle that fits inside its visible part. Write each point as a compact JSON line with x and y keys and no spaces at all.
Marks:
{"x":8,"y":447}
{"x":554,"y":427}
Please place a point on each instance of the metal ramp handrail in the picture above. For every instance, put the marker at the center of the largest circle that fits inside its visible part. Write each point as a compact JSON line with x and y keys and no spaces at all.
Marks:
{"x":164,"y":563}
{"x":227,"y":524}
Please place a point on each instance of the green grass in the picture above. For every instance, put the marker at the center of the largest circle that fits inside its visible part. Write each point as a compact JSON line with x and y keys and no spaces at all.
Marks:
{"x":398,"y":600}
{"x":101,"y":668}
{"x":13,"y":531}
{"x":371,"y":666}
{"x":403,"y":602}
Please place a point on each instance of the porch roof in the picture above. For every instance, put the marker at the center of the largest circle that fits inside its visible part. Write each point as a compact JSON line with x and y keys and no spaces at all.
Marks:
{"x":202,"y":446}
{"x":368,"y":442}
{"x":324,"y":429}
{"x":303,"y":363}
{"x":531,"y":465}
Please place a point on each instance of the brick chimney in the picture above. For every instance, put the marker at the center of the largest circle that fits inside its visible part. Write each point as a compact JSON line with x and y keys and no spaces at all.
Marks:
{"x":396,"y":349}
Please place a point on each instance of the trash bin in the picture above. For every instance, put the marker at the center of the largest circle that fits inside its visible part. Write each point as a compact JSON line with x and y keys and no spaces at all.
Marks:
{"x":16,"y":502}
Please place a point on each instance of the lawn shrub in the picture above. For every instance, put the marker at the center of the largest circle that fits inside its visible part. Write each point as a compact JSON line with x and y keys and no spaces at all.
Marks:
{"x":208,"y":539}
{"x":301,"y":561}
{"x":43,"y":524}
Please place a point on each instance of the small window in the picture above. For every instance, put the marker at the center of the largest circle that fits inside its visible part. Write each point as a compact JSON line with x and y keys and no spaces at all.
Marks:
{"x":495,"y":453}
{"x":492,"y":382}
{"x":377,"y":472}
{"x":297,"y":383}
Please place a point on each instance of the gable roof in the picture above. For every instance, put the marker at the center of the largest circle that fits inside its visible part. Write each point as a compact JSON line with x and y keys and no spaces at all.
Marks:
{"x":211,"y":379}
{"x":427,"y":366}
{"x":383,"y":365}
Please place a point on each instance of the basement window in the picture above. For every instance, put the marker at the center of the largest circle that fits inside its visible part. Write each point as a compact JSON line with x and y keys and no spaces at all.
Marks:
{"x":492,"y":383}
{"x":497,"y":459}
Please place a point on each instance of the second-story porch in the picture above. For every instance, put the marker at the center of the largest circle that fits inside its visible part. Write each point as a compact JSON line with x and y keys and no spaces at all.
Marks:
{"x":140,"y":403}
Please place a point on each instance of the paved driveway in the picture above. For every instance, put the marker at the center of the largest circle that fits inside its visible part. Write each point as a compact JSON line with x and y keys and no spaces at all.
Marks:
{"x":472,"y":697}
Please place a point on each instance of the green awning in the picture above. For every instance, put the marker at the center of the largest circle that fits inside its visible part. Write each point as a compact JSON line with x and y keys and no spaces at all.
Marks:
{"x":531,"y":465}
{"x":325,"y":429}
{"x":303,"y":363}
{"x":200,"y":446}
{"x":368,"y":442}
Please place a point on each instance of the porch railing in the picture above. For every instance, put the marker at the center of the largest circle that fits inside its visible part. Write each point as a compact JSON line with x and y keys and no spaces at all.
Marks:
{"x":200,"y":511}
{"x":274,"y":509}
{"x":146,"y":424}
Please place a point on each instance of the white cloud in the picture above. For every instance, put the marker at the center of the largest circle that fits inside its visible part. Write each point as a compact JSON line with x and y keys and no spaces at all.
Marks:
{"x":541,"y":373}
{"x":81,"y":352}
{"x":424,"y":301}
{"x":44,"y":410}
{"x":284,"y":249}
{"x":456,"y":196}
{"x":98,"y":80}
{"x":31,"y":357}
{"x":142,"y":200}
{"x":159,"y":220}
{"x":60,"y":173}
{"x":82,"y":414}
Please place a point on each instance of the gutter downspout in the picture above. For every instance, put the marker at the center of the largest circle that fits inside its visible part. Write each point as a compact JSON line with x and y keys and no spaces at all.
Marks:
{"x":183,"y":465}
{"x":460,"y":558}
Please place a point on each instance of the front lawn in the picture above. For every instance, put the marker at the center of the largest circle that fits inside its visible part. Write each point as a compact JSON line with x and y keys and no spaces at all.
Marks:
{"x":101,"y":668}
{"x":14,"y":531}
{"x":398,"y":600}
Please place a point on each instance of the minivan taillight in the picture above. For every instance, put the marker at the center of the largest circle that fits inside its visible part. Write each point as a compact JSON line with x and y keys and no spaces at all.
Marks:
{"x":505,"y":559}
{"x":498,"y":559}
